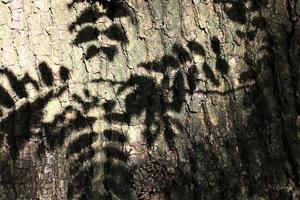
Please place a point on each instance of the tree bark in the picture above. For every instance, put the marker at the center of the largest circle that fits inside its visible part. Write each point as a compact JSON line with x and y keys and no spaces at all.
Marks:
{"x":176,"y":99}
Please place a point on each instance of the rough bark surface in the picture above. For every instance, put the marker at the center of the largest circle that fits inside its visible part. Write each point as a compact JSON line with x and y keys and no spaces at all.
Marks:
{"x":154,"y":99}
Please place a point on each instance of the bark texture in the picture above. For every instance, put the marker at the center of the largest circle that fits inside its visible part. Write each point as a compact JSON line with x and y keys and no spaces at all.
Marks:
{"x":154,"y":99}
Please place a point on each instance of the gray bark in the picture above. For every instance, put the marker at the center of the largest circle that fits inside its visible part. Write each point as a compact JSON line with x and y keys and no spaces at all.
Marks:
{"x":177,"y":99}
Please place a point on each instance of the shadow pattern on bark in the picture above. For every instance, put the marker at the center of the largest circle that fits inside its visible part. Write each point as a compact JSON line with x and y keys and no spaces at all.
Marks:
{"x":157,"y":99}
{"x":260,"y":163}
{"x":117,"y":175}
{"x":266,"y":160}
{"x":24,"y":121}
{"x":32,"y":110}
{"x":113,"y":10}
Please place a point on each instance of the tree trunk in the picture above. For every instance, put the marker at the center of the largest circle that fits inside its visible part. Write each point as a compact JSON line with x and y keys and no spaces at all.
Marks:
{"x":161,"y":99}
